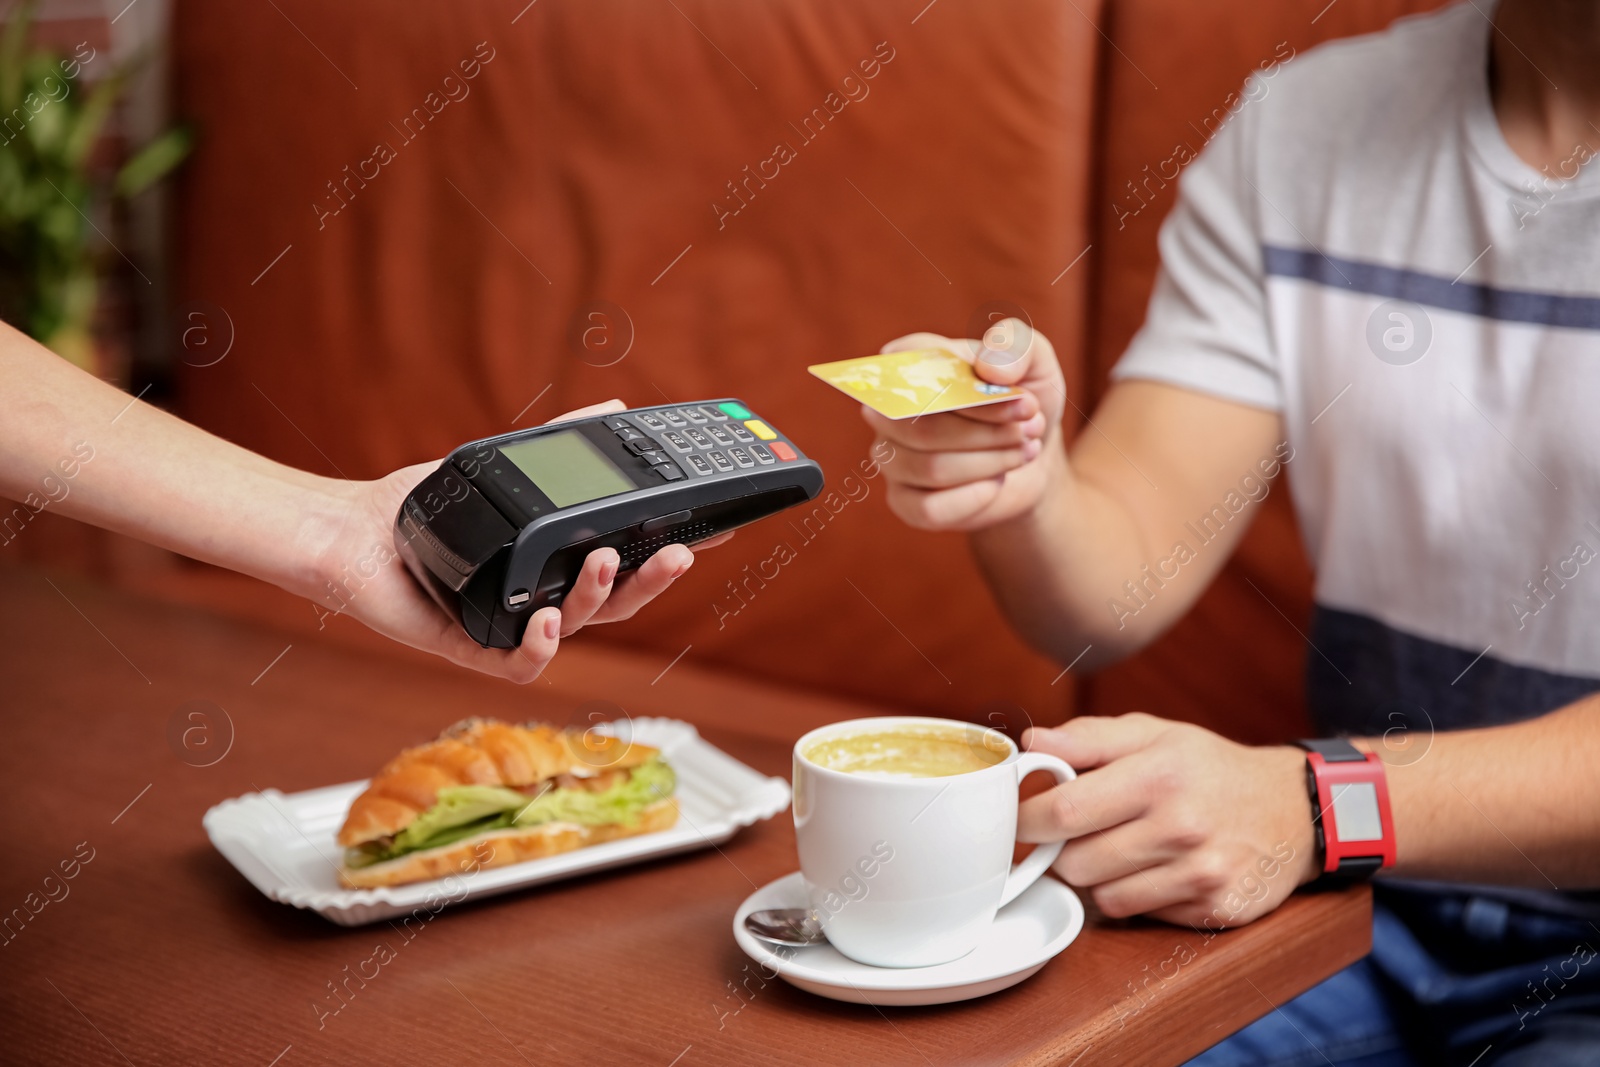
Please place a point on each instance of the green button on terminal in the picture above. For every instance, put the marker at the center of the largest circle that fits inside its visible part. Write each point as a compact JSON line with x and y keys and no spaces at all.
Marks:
{"x":738,"y":411}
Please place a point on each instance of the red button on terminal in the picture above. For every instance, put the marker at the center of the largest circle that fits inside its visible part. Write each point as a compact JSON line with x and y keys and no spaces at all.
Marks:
{"x":782,"y":450}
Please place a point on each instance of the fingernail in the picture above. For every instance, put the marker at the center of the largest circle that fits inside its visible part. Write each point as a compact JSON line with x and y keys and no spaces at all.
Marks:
{"x":681,"y":571}
{"x":552,"y":625}
{"x":1031,"y":448}
{"x":1034,"y":427}
{"x":608,"y":571}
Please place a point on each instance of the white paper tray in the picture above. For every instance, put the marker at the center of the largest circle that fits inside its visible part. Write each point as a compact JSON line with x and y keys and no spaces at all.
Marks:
{"x":284,"y":844}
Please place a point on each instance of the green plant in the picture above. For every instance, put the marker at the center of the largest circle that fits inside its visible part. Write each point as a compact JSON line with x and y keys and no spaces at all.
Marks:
{"x":49,"y":124}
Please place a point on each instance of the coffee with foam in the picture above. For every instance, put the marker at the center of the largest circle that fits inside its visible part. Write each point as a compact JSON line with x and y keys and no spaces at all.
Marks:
{"x":909,"y":752}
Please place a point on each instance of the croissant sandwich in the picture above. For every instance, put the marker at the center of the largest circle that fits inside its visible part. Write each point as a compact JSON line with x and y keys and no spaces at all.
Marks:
{"x":488,"y":794}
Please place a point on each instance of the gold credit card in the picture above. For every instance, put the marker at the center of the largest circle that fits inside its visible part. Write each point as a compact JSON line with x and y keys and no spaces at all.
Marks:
{"x":903,"y":385}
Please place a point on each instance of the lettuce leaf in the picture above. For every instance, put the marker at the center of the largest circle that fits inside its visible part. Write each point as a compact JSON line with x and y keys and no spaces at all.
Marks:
{"x":622,"y":803}
{"x":462,"y":811}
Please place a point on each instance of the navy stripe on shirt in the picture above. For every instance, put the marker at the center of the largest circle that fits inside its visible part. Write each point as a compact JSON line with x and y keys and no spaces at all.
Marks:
{"x":1430,"y":290}
{"x":1365,"y":677}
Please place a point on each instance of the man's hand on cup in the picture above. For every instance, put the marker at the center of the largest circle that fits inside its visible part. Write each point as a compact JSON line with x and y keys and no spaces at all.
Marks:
{"x":964,"y":470}
{"x":1170,"y":820}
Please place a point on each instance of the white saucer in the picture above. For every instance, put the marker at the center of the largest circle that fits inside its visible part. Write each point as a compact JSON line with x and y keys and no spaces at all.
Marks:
{"x":1026,"y":934}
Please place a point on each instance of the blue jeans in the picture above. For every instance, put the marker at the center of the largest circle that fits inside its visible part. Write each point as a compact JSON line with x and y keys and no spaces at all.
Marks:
{"x":1453,"y":979}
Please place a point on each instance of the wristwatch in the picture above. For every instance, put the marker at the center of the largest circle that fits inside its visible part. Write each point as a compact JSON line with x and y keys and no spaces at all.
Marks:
{"x":1349,"y":810}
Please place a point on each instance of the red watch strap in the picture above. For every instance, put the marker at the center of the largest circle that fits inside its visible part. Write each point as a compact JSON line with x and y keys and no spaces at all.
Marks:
{"x":1341,"y":777}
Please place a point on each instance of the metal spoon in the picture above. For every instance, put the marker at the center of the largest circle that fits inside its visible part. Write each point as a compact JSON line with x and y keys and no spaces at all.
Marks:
{"x":788,"y":927}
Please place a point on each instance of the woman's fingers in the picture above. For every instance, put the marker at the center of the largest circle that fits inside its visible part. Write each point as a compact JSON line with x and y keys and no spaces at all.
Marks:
{"x":605,"y":407}
{"x":712,"y":542}
{"x":600,"y":594}
{"x":539,"y":643}
{"x":630,"y":592}
{"x":521,"y":664}
{"x":633,"y":591}
{"x":590,"y":590}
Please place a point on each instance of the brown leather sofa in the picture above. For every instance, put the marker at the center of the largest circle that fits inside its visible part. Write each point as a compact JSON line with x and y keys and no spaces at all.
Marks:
{"x":434,"y":223}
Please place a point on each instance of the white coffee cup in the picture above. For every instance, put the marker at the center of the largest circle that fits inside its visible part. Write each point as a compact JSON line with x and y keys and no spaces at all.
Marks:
{"x":909,"y":872}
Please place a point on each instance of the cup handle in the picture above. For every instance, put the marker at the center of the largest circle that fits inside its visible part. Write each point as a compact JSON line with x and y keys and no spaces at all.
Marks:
{"x":1039,"y":860}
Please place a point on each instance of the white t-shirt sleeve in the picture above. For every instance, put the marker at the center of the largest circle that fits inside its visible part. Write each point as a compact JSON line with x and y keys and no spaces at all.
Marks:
{"x":1206,"y":328}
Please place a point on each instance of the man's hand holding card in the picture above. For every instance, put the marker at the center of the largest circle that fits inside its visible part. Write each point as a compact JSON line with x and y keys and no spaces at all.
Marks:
{"x":912,"y":383}
{"x":969,"y":421}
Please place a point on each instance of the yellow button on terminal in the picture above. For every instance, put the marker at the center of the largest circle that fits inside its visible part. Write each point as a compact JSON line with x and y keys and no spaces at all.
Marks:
{"x":761,"y":429}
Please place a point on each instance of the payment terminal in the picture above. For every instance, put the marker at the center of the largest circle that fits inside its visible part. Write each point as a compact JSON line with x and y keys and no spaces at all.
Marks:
{"x":502,"y":528}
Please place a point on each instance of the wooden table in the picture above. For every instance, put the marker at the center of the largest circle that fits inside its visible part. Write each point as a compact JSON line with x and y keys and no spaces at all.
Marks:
{"x":159,"y":952}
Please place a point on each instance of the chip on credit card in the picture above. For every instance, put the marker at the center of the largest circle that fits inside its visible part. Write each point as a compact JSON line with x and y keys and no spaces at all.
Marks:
{"x":903,"y":385}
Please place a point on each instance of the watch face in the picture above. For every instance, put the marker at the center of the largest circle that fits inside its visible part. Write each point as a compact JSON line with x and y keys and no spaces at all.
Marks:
{"x":1355,"y":812}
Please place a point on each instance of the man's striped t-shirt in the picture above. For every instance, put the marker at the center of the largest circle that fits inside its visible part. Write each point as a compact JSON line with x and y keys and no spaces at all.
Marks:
{"x":1359,"y":249}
